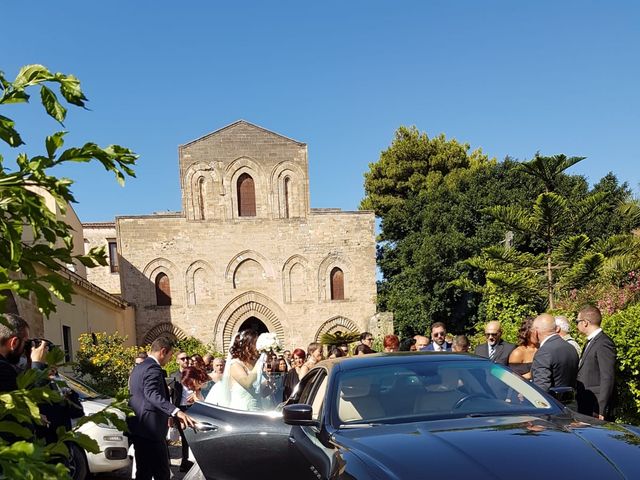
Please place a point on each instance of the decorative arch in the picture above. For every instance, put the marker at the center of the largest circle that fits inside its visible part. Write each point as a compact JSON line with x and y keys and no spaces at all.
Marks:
{"x":152,"y":270}
{"x":292,"y":290}
{"x":336,"y":324}
{"x":197,"y":293}
{"x":166,"y":328}
{"x":248,"y":166}
{"x":248,"y":255}
{"x":199,"y":185}
{"x":289,"y":201}
{"x":250,"y":304}
{"x":330,"y":262}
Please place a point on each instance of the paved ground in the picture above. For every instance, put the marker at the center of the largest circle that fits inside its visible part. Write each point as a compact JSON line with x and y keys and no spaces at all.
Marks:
{"x":174,"y":454}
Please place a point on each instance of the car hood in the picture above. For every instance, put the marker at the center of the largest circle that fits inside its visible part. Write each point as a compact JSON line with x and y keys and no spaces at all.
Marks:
{"x":496,"y":448}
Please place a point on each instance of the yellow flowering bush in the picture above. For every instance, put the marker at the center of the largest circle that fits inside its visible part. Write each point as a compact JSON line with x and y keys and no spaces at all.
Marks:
{"x":104,"y":362}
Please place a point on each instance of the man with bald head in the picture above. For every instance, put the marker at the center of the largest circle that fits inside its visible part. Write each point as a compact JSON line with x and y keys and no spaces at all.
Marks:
{"x":555,"y":364}
{"x":421,"y":342}
{"x":495,"y":348}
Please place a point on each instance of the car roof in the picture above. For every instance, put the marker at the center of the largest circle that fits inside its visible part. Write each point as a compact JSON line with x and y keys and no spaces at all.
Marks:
{"x":395,"y":358}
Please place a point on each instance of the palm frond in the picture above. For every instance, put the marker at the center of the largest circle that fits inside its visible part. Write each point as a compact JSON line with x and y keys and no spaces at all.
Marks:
{"x":548,"y":169}
{"x":572,"y":248}
{"x":589,"y":207}
{"x":549,"y":211}
{"x":339,"y":338}
{"x":513,"y":217}
{"x":631,"y":210}
{"x":582,"y":272}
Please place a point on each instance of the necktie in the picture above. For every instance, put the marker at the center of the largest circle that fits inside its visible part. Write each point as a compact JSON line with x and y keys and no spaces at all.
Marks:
{"x":492,"y":352}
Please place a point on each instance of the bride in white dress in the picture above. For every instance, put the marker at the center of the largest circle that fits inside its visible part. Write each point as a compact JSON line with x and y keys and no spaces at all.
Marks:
{"x":237,"y":389}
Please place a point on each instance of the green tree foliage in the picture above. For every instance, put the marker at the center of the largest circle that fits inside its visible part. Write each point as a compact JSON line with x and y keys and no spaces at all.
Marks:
{"x":623,"y":328}
{"x":435,"y":200}
{"x":105,"y":362}
{"x":23,"y":211}
{"x":22,"y":207}
{"x":555,"y":256}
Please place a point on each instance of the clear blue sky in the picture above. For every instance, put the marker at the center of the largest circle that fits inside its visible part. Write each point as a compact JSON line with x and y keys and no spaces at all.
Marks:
{"x":510,"y":77}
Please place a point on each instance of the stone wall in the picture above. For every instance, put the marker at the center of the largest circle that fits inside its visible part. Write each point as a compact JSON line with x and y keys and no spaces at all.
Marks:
{"x":224,"y":268}
{"x":98,"y":235}
{"x":274,"y":270}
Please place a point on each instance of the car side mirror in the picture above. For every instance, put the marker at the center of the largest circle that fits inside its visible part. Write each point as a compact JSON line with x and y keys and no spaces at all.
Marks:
{"x":298,"y":414}
{"x":564,"y":395}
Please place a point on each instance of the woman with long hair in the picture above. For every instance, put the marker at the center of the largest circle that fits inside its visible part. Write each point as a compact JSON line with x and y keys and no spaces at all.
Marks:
{"x":521,"y":357}
{"x":237,"y":389}
{"x":296,"y":372}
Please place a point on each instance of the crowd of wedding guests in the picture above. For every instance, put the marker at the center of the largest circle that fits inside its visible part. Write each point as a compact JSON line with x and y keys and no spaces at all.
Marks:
{"x":545,"y":354}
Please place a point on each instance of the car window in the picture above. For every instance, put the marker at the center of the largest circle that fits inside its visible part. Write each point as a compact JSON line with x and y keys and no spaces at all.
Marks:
{"x":306,"y":386}
{"x":318,"y":395}
{"x":434,"y":389}
{"x":84,"y":391}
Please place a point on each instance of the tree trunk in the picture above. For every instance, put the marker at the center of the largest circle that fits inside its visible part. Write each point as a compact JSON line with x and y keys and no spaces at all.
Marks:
{"x":550,"y":279}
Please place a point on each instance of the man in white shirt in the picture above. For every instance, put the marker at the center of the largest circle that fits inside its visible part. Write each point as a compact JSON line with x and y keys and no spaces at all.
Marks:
{"x":597,"y":368}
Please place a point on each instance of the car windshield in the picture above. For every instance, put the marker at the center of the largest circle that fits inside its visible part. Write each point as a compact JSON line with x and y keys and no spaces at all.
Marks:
{"x":434,"y":390}
{"x":84,"y":391}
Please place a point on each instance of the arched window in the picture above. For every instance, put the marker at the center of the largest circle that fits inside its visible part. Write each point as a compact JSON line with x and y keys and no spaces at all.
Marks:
{"x":163,"y":290}
{"x":287,"y":182}
{"x":246,"y":196}
{"x":201,"y":196}
{"x":337,"y":284}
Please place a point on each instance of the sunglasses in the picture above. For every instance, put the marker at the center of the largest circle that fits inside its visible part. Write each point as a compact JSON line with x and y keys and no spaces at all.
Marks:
{"x":491,"y":334}
{"x":439,"y":334}
{"x":182,"y":359}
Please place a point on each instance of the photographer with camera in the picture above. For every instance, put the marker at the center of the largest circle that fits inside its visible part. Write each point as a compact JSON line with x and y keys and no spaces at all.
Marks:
{"x":17,"y":351}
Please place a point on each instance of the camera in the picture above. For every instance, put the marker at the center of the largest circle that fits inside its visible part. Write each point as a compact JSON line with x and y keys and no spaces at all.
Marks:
{"x":35,"y":343}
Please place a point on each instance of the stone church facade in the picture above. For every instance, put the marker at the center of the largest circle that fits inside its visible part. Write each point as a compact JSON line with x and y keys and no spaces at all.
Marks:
{"x":246,"y":250}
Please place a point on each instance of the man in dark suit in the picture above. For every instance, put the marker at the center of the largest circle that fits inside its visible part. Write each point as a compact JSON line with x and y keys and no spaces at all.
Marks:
{"x":438,"y":337}
{"x":555,"y":364}
{"x":152,"y":407}
{"x":597,"y":367}
{"x":495,"y":349}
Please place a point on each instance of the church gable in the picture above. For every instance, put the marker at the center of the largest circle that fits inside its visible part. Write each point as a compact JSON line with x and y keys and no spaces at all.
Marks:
{"x":243,"y":170}
{"x":239,"y":132}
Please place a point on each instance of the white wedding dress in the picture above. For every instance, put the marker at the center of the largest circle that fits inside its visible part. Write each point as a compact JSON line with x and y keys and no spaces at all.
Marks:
{"x":229,"y":393}
{"x":241,"y":398}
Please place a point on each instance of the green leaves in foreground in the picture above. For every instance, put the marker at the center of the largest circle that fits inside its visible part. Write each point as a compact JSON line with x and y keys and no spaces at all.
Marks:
{"x":36,"y":244}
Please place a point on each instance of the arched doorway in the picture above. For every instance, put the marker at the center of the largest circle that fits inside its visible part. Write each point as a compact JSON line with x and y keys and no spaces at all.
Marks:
{"x":254,"y":323}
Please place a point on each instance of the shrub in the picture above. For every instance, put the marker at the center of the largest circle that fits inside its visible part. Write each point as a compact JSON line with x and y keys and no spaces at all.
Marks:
{"x":105,"y":362}
{"x":623,"y":328}
{"x":190,"y":346}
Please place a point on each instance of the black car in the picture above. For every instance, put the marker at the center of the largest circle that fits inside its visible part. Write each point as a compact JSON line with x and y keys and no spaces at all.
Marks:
{"x":412,"y":416}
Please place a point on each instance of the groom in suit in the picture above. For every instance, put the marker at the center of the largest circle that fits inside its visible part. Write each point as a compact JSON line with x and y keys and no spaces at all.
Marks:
{"x":555,"y":364}
{"x":152,"y":407}
{"x":495,"y":349}
{"x":596,"y":371}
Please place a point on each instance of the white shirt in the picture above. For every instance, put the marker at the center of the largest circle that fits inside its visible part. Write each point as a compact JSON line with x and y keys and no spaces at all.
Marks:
{"x":594,"y":334}
{"x":545,"y":340}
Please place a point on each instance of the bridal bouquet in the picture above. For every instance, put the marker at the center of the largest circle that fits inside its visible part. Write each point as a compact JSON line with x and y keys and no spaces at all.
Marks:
{"x":268,"y":342}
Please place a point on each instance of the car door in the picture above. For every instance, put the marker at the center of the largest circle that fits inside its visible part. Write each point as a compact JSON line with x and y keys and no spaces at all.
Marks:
{"x":234,"y":444}
{"x":311,"y":442}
